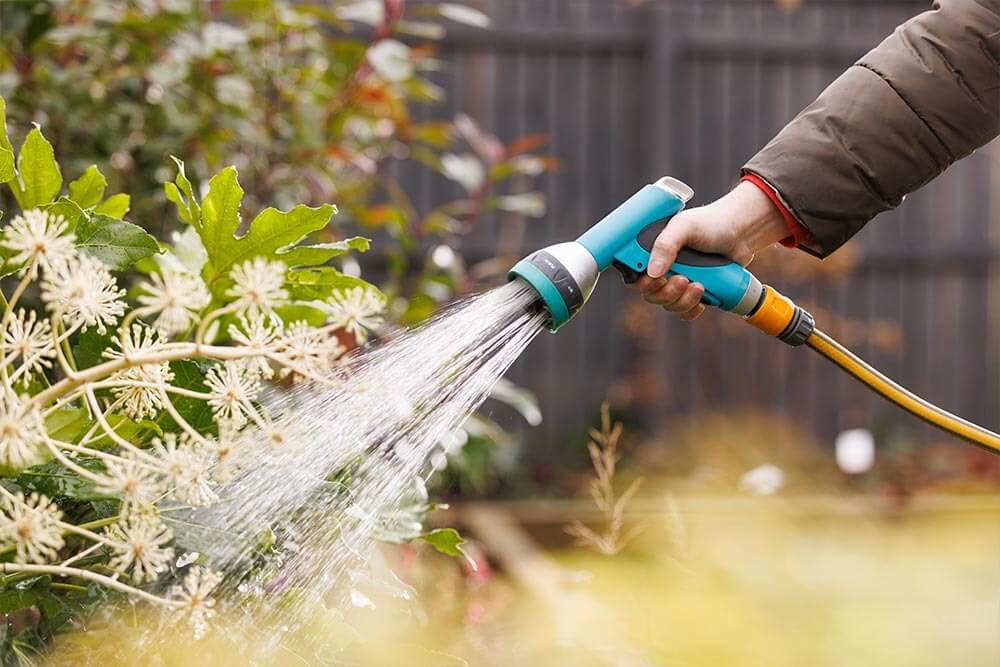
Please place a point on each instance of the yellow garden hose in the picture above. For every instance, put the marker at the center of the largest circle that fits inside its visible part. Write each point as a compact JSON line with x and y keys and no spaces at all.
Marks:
{"x":777,"y":315}
{"x":901,"y":396}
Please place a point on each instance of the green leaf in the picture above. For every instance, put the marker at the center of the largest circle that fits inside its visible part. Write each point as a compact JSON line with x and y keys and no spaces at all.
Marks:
{"x":23,"y":595}
{"x":318,"y":253}
{"x":300,"y":312}
{"x":63,"y":206}
{"x":90,"y":346}
{"x":67,"y":423}
{"x":273,"y":234}
{"x":117,"y":243}
{"x":220,"y":212}
{"x":115,"y":206}
{"x":136,"y":432}
{"x":189,"y":375}
{"x":319,"y":283}
{"x":7,"y":171}
{"x":56,"y":481}
{"x":181,"y":194}
{"x":38,"y":177}
{"x":88,"y":190}
{"x":418,"y":309}
{"x":449,"y":542}
{"x":68,"y":209}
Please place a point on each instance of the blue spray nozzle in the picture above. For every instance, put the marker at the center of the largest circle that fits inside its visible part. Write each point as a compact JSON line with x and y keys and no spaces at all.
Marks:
{"x":563,"y":275}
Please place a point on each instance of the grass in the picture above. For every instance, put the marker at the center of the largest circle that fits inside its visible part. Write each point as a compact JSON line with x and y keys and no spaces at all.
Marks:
{"x":769,"y":589}
{"x":766,"y":582}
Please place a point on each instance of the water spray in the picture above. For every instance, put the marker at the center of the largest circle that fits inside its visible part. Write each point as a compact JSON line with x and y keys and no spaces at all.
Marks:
{"x":564,"y":276}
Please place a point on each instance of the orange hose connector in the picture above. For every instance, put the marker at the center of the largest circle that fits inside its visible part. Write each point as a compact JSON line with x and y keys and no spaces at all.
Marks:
{"x":774,"y":314}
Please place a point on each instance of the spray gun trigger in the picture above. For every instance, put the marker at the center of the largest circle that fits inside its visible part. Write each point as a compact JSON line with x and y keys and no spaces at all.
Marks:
{"x":629,"y":275}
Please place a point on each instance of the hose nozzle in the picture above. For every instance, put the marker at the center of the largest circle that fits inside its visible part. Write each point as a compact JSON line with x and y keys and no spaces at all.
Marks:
{"x":563,"y":275}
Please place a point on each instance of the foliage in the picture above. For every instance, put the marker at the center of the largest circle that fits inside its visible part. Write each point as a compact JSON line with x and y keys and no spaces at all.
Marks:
{"x":117,"y":405}
{"x":312,"y":103}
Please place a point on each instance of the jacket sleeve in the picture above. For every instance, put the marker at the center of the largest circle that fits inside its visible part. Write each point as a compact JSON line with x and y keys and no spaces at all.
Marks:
{"x":925,"y":97}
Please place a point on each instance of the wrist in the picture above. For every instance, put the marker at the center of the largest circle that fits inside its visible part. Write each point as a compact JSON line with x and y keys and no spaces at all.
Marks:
{"x":759,"y":222}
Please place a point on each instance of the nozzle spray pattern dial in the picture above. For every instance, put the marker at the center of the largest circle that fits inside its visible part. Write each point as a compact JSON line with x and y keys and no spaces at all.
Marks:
{"x":563,"y":276}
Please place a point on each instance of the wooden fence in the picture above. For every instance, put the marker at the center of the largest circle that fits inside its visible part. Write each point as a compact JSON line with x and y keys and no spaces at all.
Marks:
{"x":628,"y":91}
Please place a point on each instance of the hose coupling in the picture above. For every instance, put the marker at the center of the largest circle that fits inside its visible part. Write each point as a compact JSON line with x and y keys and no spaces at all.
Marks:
{"x":778,"y":316}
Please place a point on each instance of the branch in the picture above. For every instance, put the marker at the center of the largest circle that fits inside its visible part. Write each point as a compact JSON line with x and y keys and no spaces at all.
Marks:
{"x":170,"y":352}
{"x":63,"y":571}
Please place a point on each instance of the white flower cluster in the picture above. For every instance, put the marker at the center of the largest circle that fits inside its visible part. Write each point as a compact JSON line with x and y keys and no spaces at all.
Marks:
{"x":176,"y":298}
{"x":357,"y":310}
{"x":131,"y":384}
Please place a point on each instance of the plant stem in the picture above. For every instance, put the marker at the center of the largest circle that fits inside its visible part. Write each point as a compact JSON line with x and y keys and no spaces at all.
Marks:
{"x":111,"y":432}
{"x":100,"y":523}
{"x":172,"y":353}
{"x":60,"y":571}
{"x":67,"y":587}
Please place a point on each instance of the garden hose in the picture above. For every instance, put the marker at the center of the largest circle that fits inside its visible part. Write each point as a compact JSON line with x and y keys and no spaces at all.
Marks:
{"x":778,"y":316}
{"x":880,"y":384}
{"x":564,"y":276}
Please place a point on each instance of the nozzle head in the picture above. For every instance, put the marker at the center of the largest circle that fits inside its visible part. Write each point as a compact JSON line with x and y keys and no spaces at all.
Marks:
{"x":563,"y":276}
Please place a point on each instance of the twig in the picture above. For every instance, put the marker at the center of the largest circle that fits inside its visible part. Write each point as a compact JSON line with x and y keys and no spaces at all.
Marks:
{"x":604,"y":456}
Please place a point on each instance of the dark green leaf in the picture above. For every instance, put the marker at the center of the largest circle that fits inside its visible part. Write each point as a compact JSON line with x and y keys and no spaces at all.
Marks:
{"x":56,"y":481}
{"x":117,"y":243}
{"x":23,"y":594}
{"x":137,"y":433}
{"x":189,"y":375}
{"x":90,"y":346}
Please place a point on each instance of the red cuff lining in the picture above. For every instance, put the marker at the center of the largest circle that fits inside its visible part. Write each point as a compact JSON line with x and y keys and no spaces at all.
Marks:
{"x":797,"y":233}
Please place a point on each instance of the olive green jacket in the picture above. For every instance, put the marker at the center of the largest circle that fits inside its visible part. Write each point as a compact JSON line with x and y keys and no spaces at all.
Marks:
{"x":925,"y":97}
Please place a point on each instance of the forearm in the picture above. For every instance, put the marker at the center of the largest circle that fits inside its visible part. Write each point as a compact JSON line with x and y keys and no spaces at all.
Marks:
{"x":927,"y":96}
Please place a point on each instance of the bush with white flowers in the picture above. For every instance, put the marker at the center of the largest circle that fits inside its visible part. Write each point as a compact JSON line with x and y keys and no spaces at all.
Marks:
{"x":122,"y":393}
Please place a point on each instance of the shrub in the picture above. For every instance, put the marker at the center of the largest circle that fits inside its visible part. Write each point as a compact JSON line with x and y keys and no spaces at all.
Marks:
{"x":114,"y":401}
{"x":311,"y":103}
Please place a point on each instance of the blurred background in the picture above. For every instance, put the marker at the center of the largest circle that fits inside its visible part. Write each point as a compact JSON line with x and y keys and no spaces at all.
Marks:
{"x":460,"y":136}
{"x":627,"y":91}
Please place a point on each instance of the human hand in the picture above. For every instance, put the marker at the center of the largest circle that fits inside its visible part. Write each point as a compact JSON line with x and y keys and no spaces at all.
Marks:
{"x":736,"y":225}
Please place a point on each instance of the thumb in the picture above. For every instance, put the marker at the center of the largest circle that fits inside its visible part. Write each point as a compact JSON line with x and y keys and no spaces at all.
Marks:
{"x":667,"y":245}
